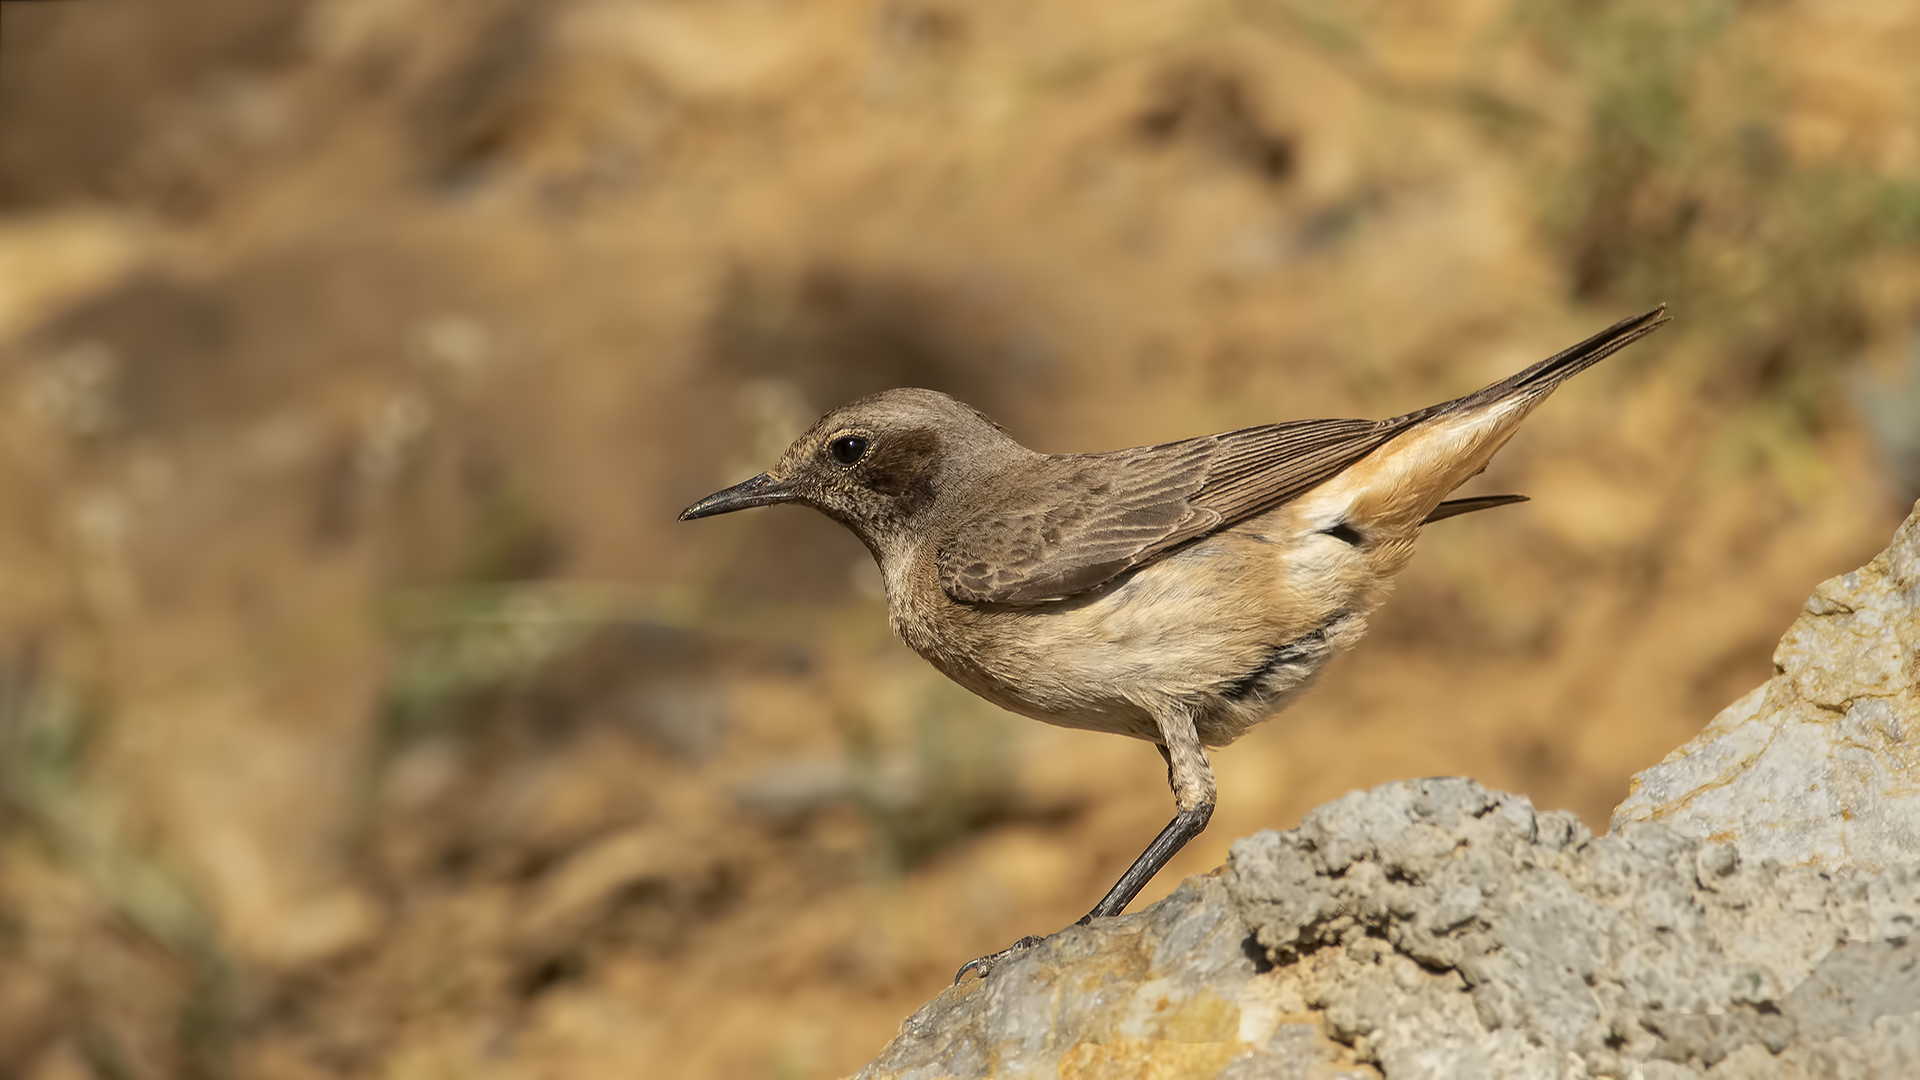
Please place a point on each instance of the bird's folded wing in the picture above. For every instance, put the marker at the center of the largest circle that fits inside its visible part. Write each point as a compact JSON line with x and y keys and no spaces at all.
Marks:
{"x":1098,"y":515}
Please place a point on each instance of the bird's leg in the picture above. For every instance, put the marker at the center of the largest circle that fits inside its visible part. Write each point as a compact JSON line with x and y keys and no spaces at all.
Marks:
{"x":1191,"y":779}
{"x":1193,"y":793}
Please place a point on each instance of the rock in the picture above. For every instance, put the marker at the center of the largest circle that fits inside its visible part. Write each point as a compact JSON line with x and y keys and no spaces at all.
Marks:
{"x":1751,"y":915}
{"x":1821,"y":765}
{"x":1170,"y":991}
{"x":1437,"y":929}
{"x":1445,"y":930}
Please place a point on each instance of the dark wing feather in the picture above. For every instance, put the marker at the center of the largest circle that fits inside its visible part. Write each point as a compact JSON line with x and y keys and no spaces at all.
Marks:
{"x":1256,"y":469}
{"x":1098,"y":515}
{"x":1088,"y":518}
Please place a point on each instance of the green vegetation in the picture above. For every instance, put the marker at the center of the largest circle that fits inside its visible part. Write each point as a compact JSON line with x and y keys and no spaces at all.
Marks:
{"x":51,"y":812}
{"x":1682,"y":190}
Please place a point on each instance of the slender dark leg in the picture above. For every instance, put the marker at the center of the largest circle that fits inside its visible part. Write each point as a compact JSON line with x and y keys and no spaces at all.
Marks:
{"x":1185,"y":825}
{"x":1193,"y":792}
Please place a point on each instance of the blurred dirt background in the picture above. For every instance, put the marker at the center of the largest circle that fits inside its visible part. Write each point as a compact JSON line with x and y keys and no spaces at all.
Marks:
{"x":364,"y":711}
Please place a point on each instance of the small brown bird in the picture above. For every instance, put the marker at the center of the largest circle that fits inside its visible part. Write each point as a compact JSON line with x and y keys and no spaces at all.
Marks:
{"x":1179,"y":593}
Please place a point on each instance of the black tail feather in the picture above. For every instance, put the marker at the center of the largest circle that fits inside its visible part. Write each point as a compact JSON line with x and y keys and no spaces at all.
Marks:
{"x":1456,"y":507}
{"x":1541,"y":378}
{"x":1562,"y":366}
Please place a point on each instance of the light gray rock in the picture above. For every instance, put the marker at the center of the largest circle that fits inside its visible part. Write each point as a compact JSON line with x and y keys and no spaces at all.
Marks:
{"x":1821,"y":765}
{"x":1751,"y":916}
{"x":1445,"y":930}
{"x":1173,"y":988}
{"x":1435,"y":929}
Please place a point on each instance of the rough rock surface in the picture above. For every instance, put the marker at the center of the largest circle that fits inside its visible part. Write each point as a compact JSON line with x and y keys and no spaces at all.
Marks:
{"x":1437,"y":929}
{"x":1821,"y":764}
{"x":1175,"y":990}
{"x":1750,"y":916}
{"x":1445,"y":930}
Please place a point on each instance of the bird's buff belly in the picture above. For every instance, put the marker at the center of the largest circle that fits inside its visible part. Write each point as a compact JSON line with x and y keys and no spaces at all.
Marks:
{"x":1216,"y":630}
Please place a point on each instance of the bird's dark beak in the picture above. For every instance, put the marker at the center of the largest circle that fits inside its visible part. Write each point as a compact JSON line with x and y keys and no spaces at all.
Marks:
{"x":762,"y":490}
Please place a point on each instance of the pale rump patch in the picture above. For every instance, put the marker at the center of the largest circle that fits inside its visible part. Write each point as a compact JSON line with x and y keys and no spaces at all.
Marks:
{"x":1388,"y":494}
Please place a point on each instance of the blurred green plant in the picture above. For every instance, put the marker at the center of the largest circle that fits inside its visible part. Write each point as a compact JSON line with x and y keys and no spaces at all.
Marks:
{"x":452,"y":644}
{"x":943,"y":774}
{"x":46,"y":729}
{"x":951,"y":776}
{"x":451,"y":650}
{"x":1891,"y":404}
{"x":1671,"y":182}
{"x":1624,"y":210}
{"x":1681,"y":190}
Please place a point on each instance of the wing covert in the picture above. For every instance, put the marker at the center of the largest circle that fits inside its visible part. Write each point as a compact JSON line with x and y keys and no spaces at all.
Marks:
{"x":1099,"y":515}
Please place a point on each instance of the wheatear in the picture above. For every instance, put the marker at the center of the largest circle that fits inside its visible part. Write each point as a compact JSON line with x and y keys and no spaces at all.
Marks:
{"x":1178,"y":593}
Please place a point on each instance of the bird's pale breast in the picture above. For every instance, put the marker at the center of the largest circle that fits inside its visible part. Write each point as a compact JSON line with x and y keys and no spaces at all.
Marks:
{"x":1229,"y":629}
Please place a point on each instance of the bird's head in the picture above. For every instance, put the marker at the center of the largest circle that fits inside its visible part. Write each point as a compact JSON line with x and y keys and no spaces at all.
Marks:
{"x":887,"y":466}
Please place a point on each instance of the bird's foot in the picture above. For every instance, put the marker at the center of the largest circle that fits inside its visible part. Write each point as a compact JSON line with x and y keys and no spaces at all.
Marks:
{"x":985,"y":964}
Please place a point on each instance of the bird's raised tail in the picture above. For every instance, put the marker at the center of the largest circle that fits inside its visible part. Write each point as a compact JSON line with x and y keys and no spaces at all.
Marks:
{"x":1399,"y":486}
{"x":1544,"y":377}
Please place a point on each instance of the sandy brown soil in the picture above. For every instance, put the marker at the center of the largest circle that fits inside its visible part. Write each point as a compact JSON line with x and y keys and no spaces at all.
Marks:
{"x":364,"y":711}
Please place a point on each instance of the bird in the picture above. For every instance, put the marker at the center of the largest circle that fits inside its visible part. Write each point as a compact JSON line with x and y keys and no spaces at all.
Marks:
{"x":1179,"y":593}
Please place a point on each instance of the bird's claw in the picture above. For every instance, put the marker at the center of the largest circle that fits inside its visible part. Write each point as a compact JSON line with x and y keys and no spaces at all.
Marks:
{"x":985,"y":964}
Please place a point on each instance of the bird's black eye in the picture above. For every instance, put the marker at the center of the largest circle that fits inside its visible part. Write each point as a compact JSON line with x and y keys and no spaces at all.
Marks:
{"x":847,"y":449}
